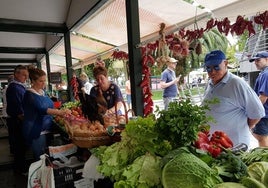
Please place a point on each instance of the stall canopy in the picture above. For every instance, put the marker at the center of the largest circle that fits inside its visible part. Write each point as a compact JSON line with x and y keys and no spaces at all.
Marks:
{"x":31,"y":30}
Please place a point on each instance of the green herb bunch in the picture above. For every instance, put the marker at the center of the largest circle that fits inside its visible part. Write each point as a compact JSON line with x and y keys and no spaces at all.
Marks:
{"x":181,"y":122}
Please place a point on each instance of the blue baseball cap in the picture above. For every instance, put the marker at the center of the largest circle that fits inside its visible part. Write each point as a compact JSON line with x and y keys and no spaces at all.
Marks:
{"x":214,"y":57}
{"x":259,"y":55}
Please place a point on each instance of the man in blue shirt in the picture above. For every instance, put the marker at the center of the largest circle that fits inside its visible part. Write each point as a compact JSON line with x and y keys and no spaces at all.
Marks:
{"x":260,"y":131}
{"x":169,"y":82}
{"x":14,"y":95}
{"x":239,"y":108}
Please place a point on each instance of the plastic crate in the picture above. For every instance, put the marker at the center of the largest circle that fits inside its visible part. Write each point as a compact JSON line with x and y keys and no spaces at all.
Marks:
{"x":64,"y":177}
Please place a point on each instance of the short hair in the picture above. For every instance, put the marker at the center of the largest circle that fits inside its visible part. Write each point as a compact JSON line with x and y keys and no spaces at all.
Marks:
{"x":83,"y":76}
{"x":99,"y":70}
{"x":18,"y":68}
{"x":35,"y":73}
{"x":10,"y":78}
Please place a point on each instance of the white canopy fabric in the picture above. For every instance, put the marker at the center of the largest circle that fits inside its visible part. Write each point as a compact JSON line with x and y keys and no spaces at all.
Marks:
{"x":107,"y":28}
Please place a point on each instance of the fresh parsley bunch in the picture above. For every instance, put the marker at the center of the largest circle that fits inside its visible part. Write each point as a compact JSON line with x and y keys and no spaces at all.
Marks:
{"x":181,"y":122}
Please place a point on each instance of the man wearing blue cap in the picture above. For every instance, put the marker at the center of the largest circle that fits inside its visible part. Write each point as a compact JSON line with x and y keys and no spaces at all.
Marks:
{"x":260,"y":131}
{"x":239,"y":108}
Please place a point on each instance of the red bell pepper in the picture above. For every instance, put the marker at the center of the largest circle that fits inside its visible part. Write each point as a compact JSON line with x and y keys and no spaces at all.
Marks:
{"x":202,"y":142}
{"x":222,"y":139}
{"x":205,"y":144}
{"x":214,"y":149}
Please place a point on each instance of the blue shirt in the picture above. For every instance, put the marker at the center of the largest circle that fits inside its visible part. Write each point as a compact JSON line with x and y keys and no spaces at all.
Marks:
{"x":36,"y":118}
{"x":261,"y":87}
{"x":237,"y":102}
{"x":14,"y":96}
{"x":167,"y":76}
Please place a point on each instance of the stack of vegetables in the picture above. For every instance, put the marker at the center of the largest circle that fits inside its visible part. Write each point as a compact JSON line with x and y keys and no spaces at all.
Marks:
{"x":75,"y":109}
{"x":80,"y":125}
{"x":168,"y":152}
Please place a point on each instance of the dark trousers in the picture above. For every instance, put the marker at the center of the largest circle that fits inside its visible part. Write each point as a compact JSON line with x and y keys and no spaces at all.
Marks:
{"x":17,"y":143}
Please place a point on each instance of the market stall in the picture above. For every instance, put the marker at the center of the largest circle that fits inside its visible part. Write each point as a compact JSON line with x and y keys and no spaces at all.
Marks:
{"x":173,"y":150}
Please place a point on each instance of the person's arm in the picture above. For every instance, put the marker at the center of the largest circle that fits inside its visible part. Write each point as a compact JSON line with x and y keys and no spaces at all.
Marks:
{"x":118,"y":106}
{"x":252,"y":122}
{"x":164,"y":85}
{"x":263,"y":98}
{"x":54,"y":111}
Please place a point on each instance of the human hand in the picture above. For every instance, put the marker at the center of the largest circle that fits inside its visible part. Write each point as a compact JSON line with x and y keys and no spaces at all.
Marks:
{"x":177,"y":79}
{"x":65,"y":112}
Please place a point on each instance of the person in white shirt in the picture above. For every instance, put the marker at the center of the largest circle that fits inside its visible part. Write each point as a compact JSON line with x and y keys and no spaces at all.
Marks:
{"x":86,"y":85}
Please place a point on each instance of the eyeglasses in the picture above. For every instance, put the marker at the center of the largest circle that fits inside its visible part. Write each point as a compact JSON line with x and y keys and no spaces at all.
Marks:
{"x":215,"y":67}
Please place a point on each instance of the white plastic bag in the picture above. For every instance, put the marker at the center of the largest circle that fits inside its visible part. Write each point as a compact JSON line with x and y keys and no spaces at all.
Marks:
{"x":90,"y":168}
{"x":41,"y":175}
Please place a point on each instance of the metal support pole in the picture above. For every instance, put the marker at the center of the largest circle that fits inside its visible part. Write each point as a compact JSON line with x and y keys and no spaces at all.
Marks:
{"x":135,"y":67}
{"x":68,"y":57}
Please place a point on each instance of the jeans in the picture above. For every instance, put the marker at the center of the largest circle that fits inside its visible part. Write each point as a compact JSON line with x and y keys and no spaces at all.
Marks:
{"x":17,"y":143}
{"x":261,"y":127}
{"x":168,"y":100}
{"x":40,"y":145}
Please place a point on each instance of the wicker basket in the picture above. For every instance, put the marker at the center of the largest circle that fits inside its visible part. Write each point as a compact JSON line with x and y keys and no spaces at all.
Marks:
{"x":91,"y":142}
{"x":87,"y":140}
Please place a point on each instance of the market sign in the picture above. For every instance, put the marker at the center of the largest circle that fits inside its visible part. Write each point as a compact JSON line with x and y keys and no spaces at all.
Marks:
{"x":55,"y":77}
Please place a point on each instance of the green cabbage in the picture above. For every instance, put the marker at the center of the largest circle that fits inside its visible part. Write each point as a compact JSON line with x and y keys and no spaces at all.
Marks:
{"x":252,"y":183}
{"x":187,"y":170}
{"x":229,"y":185}
{"x":257,"y":169}
{"x":264,"y":178}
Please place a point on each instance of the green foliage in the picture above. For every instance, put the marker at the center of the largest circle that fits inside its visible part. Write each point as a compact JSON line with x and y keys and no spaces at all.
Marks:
{"x":230,"y":167}
{"x":145,"y":171}
{"x":213,"y":40}
{"x":241,"y":41}
{"x":139,"y":138}
{"x":181,"y":122}
{"x":255,"y":155}
{"x":70,"y":104}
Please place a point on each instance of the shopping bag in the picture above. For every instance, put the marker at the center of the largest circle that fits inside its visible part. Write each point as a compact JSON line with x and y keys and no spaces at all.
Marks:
{"x":34,"y":175}
{"x":40,"y":175}
{"x":47,"y":177}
